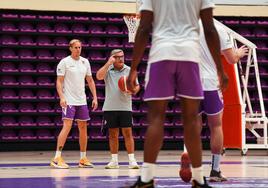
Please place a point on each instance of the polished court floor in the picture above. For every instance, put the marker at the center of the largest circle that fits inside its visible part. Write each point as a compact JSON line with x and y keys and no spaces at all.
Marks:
{"x":31,"y":170}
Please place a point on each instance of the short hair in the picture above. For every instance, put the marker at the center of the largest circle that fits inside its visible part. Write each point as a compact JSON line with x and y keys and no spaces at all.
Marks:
{"x":115,"y":51}
{"x":74,"y":41}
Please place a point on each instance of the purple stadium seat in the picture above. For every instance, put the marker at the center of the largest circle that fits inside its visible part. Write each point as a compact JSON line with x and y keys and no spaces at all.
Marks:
{"x":115,"y":19}
{"x":8,"y":94}
{"x":26,"y":67}
{"x":75,"y":133}
{"x":8,"y":107}
{"x":128,"y":56}
{"x":135,"y":108}
{"x":26,"y":54}
{"x":44,"y":28}
{"x":8,"y":67}
{"x":61,"y":41}
{"x":44,"y":121}
{"x":46,"y":17}
{"x":57,"y":107}
{"x":8,"y":15}
{"x":95,"y":134}
{"x":26,"y":107}
{"x":142,"y":133}
{"x":44,"y":81}
{"x":26,"y":41}
{"x":142,"y":68}
{"x":262,"y":22}
{"x":44,"y":41}
{"x":8,"y":26}
{"x":136,"y":121}
{"x":8,"y":134}
{"x":261,"y":45}
{"x":58,"y":121}
{"x":144,"y":108}
{"x":44,"y":54}
{"x":177,"y":121}
{"x":113,"y":43}
{"x":96,"y":29}
{"x":168,"y":122}
{"x":168,"y":134}
{"x":44,"y":107}
{"x":96,"y":121}
{"x":26,"y":121}
{"x":79,"y":28}
{"x":96,"y":55}
{"x":247,"y":22}
{"x":96,"y":42}
{"x":63,"y":17}
{"x":44,"y":67}
{"x":27,"y":16}
{"x":99,"y":83}
{"x":60,"y":54}
{"x":7,"y":53}
{"x":245,"y":32}
{"x":26,"y":94}
{"x":145,"y":57}
{"x":62,"y":28}
{"x":101,"y":95}
{"x":8,"y":40}
{"x":126,"y":44}
{"x":8,"y":121}
{"x":231,"y":22}
{"x":144,"y":121}
{"x":176,"y":108}
{"x":178,"y":134}
{"x":26,"y":27}
{"x":260,"y":32}
{"x":9,"y":80}
{"x":44,"y":134}
{"x":44,"y":94}
{"x":98,"y":19}
{"x":113,"y":30}
{"x":27,"y":134}
{"x":26,"y":80}
{"x":81,"y":18}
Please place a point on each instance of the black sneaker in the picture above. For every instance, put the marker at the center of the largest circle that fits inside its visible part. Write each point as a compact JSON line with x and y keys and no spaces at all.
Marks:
{"x":195,"y":184}
{"x":216,"y":176}
{"x":140,"y":184}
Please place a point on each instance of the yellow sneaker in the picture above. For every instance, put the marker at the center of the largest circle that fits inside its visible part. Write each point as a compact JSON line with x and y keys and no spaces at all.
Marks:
{"x":85,"y":163}
{"x":59,"y":163}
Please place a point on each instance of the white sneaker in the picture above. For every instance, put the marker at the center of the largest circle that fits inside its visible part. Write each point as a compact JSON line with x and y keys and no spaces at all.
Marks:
{"x":112,"y":165}
{"x":133,"y":165}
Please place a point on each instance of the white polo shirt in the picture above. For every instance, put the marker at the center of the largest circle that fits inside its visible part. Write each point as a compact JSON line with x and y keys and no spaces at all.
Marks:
{"x":175,"y":29}
{"x":207,"y":66}
{"x":74,"y":72}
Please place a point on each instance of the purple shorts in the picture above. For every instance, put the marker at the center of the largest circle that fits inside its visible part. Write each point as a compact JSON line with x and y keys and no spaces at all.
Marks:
{"x":165,"y":79}
{"x":78,"y":113}
{"x":211,"y":104}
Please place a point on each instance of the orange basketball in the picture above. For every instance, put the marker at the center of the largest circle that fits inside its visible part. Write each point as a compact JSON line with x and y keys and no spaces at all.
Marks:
{"x":122,"y":83}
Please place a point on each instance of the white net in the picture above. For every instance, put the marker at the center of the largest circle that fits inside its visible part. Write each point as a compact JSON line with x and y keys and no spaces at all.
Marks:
{"x":132,"y":22}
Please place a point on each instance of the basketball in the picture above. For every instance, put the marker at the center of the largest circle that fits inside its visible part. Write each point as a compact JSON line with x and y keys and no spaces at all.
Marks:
{"x":122,"y":83}
{"x":185,"y":170}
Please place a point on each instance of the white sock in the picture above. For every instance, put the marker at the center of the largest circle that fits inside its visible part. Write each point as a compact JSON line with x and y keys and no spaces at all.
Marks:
{"x":58,"y":154}
{"x":83,"y":154}
{"x":147,"y":172}
{"x":115,"y":157}
{"x":216,"y":159}
{"x":131,"y":157}
{"x":198,"y":174}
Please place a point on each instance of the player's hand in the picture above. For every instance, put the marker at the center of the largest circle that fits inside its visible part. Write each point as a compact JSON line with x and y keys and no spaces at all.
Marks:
{"x":131,"y":81}
{"x":94,"y":104}
{"x":111,"y":60}
{"x":223,"y":79}
{"x":242,"y":51}
{"x":63,"y":103}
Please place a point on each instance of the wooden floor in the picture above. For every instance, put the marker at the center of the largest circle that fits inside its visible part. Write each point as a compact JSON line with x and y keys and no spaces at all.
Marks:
{"x":31,"y":170}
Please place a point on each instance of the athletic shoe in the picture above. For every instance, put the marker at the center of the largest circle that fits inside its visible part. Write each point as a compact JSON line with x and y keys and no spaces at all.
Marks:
{"x":133,"y":165}
{"x":216,"y":176}
{"x":58,"y":163}
{"x":195,"y":184}
{"x":85,"y":163}
{"x":140,"y":184}
{"x":112,"y":165}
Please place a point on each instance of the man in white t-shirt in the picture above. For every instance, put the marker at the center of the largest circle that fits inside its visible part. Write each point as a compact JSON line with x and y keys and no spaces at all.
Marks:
{"x":173,"y":70}
{"x":71,"y":74}
{"x":212,"y":104}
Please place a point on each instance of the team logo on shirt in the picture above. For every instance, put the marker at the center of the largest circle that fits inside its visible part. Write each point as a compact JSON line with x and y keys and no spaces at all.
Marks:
{"x":59,"y":70}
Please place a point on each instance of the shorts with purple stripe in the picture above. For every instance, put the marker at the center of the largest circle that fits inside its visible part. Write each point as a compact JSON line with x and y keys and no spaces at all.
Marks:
{"x":78,"y":113}
{"x":165,"y":79}
{"x":211,"y":104}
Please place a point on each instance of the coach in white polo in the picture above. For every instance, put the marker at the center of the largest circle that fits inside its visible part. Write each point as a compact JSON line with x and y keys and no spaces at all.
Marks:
{"x":71,"y":74}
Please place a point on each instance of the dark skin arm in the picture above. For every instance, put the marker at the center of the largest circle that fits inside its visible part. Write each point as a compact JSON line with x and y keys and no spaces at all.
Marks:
{"x":141,"y":40}
{"x":213,"y":42}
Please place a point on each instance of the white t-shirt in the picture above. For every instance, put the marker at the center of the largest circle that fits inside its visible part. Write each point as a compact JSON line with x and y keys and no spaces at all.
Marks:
{"x":175,"y":29}
{"x":207,"y":66}
{"x":74,"y":72}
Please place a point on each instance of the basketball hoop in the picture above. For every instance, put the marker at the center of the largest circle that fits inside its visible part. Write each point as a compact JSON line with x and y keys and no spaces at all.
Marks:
{"x":132,"y":22}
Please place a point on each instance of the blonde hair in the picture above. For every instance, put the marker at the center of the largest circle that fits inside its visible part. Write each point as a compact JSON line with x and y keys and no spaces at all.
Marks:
{"x":115,"y":51}
{"x":74,"y":41}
